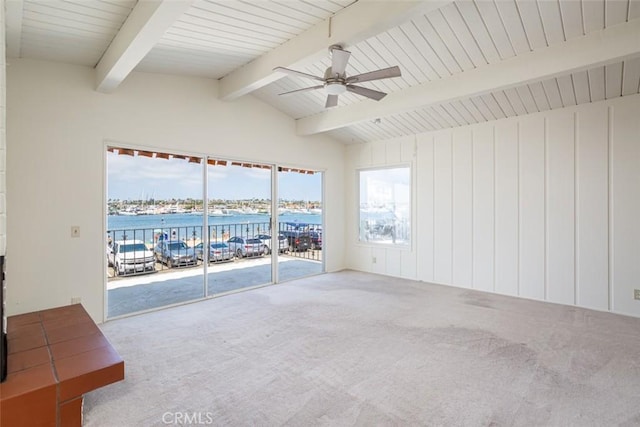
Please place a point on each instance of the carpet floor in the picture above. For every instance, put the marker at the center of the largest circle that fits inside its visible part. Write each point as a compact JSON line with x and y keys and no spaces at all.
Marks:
{"x":353,"y":348}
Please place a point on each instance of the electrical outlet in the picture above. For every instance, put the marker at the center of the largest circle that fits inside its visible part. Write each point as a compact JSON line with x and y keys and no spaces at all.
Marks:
{"x":374,"y":260}
{"x":636,"y":294}
{"x":75,"y":231}
{"x":76,"y":300}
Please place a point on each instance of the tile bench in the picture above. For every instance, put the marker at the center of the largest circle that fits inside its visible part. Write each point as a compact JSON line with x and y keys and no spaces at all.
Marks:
{"x":55,"y":356}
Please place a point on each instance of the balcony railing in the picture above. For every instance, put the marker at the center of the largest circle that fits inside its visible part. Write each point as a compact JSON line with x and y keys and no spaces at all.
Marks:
{"x":302,"y":242}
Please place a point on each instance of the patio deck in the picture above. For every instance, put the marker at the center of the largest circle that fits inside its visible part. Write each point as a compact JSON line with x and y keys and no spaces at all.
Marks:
{"x":128,"y":295}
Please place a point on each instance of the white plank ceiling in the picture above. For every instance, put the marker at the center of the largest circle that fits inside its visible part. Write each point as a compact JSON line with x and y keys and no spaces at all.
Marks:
{"x":75,"y":31}
{"x":221,"y":39}
{"x":214,"y":38}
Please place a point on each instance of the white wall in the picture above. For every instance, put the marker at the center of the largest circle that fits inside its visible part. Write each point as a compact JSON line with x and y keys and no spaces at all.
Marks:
{"x":544,"y":206}
{"x":3,"y":137}
{"x":56,"y":130}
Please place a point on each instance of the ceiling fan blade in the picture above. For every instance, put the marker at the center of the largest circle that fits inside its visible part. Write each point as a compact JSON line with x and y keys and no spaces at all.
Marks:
{"x":302,"y":90}
{"x":332,"y":101}
{"x":385,"y":73}
{"x":369,"y":93}
{"x":297,"y":73}
{"x":339,"y":59}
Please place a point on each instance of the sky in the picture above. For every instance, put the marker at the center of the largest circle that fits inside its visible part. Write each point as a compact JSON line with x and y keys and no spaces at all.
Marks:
{"x":141,"y":177}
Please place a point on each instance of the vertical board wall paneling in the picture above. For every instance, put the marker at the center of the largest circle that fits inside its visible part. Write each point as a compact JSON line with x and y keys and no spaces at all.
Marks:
{"x":408,"y":261}
{"x":364,"y":159}
{"x":506,"y":193}
{"x":550,"y":202}
{"x":393,"y":262}
{"x":560,"y":212}
{"x":424,"y":220}
{"x":378,"y":153}
{"x":361,"y":158}
{"x":483,"y":207}
{"x":443,"y":207}
{"x":393,"y":153}
{"x":531,"y":207}
{"x":380,"y":255}
{"x":462,"y":208}
{"x":625,"y":205}
{"x":592,"y":208}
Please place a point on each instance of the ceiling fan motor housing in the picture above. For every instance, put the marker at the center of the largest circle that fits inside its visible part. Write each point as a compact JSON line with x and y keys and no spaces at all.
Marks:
{"x":334,"y":84}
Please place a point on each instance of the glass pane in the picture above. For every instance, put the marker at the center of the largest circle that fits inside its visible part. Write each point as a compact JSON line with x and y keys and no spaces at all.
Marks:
{"x":299,"y":223}
{"x":239,"y":226}
{"x":153,"y":226}
{"x":385,"y":206}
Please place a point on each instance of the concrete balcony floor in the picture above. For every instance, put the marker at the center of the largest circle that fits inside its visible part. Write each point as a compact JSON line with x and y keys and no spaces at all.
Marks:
{"x":136,"y":293}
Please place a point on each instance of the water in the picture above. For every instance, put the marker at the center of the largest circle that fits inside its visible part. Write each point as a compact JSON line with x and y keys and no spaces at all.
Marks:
{"x":190,"y":225}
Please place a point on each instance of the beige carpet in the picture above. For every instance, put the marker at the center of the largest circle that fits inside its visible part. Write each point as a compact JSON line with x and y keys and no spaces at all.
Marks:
{"x":360,"y":349}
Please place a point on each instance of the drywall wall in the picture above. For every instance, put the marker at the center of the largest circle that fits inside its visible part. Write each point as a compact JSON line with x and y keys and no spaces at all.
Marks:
{"x":57,"y":128}
{"x":3,"y":138}
{"x":543,"y":206}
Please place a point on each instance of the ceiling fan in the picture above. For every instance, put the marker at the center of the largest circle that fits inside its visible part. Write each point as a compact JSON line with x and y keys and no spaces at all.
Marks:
{"x":335,"y":80}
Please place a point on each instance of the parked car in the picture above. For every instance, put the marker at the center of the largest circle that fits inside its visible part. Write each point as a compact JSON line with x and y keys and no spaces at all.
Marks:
{"x":283,"y":242}
{"x":297,"y":234}
{"x":174,"y":253}
{"x":130,"y":256}
{"x":218,"y":251}
{"x":242,"y":247}
{"x":316,"y":239}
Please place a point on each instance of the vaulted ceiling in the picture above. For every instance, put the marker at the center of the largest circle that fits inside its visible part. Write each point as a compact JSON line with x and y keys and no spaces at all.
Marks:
{"x":462,"y":61}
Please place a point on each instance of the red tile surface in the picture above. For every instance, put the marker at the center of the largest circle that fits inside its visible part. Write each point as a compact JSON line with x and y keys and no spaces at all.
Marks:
{"x":28,"y":359}
{"x":63,"y":341}
{"x":88,"y":371}
{"x":27,"y":381}
{"x":21,"y":320}
{"x":37,"y":408}
{"x":70,"y":332}
{"x":25,"y":342}
{"x":26,"y":330}
{"x":65,"y":322}
{"x":71,"y":413}
{"x":61,"y":312}
{"x":78,"y":345}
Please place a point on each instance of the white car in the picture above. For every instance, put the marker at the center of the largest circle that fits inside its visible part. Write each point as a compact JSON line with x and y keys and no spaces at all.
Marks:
{"x":283,"y":242}
{"x":131,"y":256}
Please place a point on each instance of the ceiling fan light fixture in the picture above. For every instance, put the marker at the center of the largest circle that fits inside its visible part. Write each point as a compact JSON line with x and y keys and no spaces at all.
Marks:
{"x":336,"y":82}
{"x":335,"y":88}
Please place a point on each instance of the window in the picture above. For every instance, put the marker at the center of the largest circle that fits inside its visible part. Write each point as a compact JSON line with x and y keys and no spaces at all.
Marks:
{"x":385,"y":205}
{"x":160,"y":222}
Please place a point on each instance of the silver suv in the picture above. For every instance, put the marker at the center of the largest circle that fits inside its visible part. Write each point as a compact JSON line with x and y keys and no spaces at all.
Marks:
{"x":283,"y":243}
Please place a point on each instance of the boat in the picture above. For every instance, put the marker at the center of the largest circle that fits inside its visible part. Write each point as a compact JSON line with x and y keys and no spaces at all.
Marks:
{"x":219,"y":212}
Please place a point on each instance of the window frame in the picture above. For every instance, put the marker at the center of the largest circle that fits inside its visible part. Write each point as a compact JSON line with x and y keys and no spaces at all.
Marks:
{"x":406,"y":245}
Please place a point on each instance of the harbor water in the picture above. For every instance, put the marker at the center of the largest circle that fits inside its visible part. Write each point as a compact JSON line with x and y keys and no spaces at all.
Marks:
{"x":143,"y":227}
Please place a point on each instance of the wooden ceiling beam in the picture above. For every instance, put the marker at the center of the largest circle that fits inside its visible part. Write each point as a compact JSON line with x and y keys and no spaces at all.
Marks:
{"x":357,"y":22}
{"x":142,"y":30}
{"x":607,"y":46}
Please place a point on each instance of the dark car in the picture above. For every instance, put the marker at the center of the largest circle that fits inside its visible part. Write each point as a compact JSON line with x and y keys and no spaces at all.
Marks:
{"x":218,"y":251}
{"x":298,"y":236}
{"x":242,"y":246}
{"x":174,"y":253}
{"x":316,"y":238}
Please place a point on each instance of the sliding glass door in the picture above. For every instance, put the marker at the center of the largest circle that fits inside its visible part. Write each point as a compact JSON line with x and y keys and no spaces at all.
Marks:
{"x":154,"y":226}
{"x":300,"y":225}
{"x":239,"y":214}
{"x":185,"y":227}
